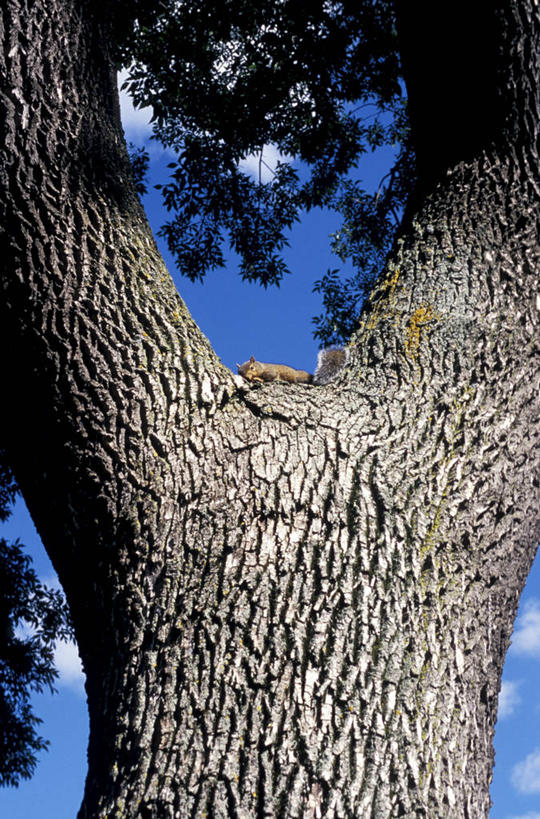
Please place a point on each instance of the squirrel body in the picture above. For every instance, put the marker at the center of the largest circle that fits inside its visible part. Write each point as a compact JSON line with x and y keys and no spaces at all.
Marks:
{"x":329,"y":364}
{"x":260,"y":371}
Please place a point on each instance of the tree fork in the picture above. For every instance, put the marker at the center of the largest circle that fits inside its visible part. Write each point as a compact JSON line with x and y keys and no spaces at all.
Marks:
{"x":290,"y":601}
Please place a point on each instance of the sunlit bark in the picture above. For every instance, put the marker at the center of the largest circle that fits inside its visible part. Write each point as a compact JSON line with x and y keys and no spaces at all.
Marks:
{"x":289,"y":600}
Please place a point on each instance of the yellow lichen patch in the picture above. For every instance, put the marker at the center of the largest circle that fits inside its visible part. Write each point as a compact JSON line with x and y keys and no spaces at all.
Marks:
{"x":382,"y":308}
{"x":422,"y":316}
{"x":391,"y":280}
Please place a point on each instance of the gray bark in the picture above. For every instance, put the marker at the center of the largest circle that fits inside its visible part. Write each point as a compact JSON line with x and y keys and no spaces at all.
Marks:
{"x":290,"y":600}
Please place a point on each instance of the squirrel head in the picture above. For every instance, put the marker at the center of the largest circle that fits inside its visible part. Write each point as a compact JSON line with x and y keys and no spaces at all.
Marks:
{"x":248,"y":369}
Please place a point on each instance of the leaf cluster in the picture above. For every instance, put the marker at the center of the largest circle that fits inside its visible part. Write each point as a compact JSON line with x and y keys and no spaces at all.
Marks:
{"x":370,"y":222}
{"x":140,"y":160}
{"x":32,"y":617}
{"x":318,"y":81}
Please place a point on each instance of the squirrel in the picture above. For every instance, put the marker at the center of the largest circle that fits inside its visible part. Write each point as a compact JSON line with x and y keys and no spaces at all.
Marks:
{"x":329,"y":364}
{"x":259,"y":371}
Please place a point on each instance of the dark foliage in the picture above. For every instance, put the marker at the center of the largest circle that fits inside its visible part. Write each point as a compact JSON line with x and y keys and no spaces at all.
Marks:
{"x":32,"y":618}
{"x":140,"y":160}
{"x":320,"y":82}
{"x":8,"y":488}
{"x":365,"y":238}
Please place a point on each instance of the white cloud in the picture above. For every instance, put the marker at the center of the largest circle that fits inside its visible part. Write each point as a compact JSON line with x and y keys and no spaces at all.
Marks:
{"x":136,"y":121}
{"x":526,"y":774}
{"x":23,"y":630}
{"x":508,"y":699}
{"x":531,"y":815}
{"x":526,"y":637}
{"x":66,"y":660}
{"x":66,"y":654}
{"x":68,"y":663}
{"x":264,"y":166}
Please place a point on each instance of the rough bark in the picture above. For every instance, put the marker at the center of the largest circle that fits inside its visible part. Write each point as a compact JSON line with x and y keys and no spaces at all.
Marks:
{"x":289,"y":600}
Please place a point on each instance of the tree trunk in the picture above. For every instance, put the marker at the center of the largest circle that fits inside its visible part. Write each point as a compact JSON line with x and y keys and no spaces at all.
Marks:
{"x":290,"y":601}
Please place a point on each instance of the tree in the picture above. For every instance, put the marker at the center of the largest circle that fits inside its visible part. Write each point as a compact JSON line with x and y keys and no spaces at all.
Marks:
{"x":289,"y":601}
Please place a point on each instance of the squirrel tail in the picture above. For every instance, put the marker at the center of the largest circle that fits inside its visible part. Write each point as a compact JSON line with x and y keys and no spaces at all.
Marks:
{"x":329,"y":364}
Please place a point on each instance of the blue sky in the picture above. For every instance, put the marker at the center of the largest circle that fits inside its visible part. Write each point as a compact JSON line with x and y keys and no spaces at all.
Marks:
{"x":240,"y":320}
